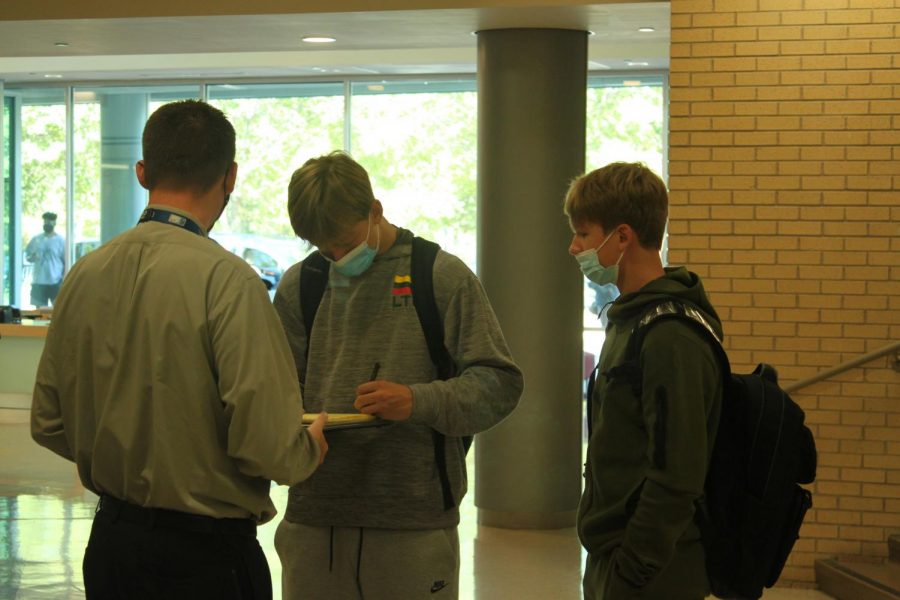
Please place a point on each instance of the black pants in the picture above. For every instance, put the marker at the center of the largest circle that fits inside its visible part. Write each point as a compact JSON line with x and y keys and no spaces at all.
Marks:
{"x":42,"y":294}
{"x":145,"y":554}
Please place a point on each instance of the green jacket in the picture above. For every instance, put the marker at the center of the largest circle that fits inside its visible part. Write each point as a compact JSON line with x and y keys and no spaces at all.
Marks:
{"x":648,"y":455}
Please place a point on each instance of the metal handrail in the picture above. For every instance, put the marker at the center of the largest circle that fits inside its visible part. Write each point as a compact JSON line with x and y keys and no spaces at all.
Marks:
{"x":859,"y":360}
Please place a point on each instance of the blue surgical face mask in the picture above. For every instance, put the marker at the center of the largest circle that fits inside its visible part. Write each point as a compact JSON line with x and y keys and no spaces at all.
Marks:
{"x":593,"y":270}
{"x":358,"y":260}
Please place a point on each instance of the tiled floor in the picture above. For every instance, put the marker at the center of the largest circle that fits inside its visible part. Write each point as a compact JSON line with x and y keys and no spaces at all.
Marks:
{"x":45,"y":518}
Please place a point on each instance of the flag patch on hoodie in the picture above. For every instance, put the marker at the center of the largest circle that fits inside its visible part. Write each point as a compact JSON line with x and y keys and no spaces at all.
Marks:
{"x":402,"y":291}
{"x":402,"y":285}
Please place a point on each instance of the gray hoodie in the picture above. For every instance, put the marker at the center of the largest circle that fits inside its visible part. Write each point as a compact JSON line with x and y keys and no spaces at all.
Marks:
{"x":387,"y":477}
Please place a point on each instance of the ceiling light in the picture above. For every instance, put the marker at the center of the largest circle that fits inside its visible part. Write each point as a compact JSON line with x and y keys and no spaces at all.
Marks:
{"x":61,"y":44}
{"x":646,"y":29}
{"x":52,"y":76}
{"x":637,"y":63}
{"x":319,"y":39}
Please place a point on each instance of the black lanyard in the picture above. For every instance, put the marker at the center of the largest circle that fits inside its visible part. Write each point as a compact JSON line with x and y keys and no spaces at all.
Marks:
{"x":169,"y":218}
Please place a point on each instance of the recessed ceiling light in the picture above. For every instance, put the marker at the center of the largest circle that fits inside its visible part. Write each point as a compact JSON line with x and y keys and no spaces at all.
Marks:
{"x":319,"y":39}
{"x":646,"y":29}
{"x":61,"y":44}
{"x":52,"y":76}
{"x":637,"y":63}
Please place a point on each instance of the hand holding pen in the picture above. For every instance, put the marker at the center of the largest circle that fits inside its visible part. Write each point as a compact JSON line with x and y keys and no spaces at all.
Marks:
{"x":384,"y":399}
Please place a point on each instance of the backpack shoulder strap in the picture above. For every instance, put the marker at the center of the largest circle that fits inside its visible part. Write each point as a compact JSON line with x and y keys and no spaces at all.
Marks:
{"x":313,"y":281}
{"x":668,"y":309}
{"x":424,"y":253}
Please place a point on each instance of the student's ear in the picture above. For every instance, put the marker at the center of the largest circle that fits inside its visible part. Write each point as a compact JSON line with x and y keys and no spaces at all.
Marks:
{"x":377,"y":211}
{"x":139,"y":171}
{"x":231,"y":178}
{"x":626,"y":236}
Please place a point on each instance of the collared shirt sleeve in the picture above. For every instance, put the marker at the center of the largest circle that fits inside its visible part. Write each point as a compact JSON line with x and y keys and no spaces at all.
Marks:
{"x":46,"y":411}
{"x":259,"y":390}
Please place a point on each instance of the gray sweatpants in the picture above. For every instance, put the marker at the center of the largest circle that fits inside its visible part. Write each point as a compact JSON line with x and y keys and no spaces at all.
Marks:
{"x":353,"y":563}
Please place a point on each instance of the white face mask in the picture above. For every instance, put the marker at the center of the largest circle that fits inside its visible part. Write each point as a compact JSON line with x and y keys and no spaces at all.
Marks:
{"x":593,"y":270}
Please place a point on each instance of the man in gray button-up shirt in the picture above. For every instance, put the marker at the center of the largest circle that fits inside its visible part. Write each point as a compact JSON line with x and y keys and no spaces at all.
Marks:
{"x":167,"y":378}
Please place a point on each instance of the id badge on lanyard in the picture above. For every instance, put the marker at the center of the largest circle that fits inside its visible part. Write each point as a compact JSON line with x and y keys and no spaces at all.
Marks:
{"x":169,"y":218}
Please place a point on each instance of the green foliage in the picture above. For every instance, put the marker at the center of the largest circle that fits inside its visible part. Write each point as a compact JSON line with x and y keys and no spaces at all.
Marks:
{"x":419,"y":149}
{"x":43,"y":155}
{"x":625,"y":124}
{"x":88,"y":174}
{"x":275,"y":136}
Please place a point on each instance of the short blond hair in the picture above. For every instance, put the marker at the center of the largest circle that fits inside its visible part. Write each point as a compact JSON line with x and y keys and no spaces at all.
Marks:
{"x":327,"y":195}
{"x":621,"y":193}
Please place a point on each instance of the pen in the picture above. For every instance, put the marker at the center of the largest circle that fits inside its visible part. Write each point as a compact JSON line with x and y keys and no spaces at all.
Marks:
{"x":375,"y":371}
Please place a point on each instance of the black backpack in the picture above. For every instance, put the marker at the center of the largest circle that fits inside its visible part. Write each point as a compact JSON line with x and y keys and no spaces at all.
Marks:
{"x":753,"y":507}
{"x":314,"y":280}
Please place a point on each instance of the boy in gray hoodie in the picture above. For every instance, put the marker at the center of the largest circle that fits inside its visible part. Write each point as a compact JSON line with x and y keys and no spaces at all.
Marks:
{"x":649,"y":449}
{"x":372,"y":522}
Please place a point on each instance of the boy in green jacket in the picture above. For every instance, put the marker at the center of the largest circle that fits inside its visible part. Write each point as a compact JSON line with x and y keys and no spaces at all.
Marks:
{"x":650,"y":448}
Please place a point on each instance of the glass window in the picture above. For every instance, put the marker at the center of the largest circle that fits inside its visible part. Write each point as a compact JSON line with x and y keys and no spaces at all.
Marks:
{"x":109,"y":122}
{"x":7,"y":266}
{"x":625,"y":122}
{"x":38,"y":187}
{"x":417,"y":140}
{"x":416,"y":137}
{"x":278,"y":128}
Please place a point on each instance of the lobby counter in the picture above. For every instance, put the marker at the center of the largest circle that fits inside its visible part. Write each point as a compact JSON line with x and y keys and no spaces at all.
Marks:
{"x":27,"y":329}
{"x":20,"y":351}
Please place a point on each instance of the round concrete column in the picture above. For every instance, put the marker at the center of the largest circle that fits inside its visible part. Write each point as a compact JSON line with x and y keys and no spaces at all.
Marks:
{"x":122,"y":118}
{"x":532,"y":85}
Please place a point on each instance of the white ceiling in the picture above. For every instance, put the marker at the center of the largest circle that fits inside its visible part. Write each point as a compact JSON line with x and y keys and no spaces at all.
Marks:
{"x":368,"y":43}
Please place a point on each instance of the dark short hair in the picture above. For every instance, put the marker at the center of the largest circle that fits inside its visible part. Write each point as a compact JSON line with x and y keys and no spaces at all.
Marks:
{"x":49,"y":216}
{"x":618,"y":193}
{"x":187,"y":145}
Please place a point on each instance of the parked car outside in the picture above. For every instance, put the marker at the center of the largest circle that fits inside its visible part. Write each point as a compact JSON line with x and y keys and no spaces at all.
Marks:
{"x":270,"y":257}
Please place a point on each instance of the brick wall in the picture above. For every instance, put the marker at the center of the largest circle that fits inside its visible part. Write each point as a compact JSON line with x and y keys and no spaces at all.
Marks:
{"x":785,"y":196}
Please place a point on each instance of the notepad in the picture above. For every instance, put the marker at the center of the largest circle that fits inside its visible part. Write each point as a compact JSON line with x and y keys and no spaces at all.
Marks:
{"x":345,"y":420}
